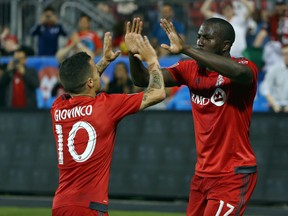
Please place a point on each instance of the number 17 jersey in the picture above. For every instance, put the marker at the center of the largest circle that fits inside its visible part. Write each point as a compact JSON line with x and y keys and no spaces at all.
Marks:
{"x":84,"y":129}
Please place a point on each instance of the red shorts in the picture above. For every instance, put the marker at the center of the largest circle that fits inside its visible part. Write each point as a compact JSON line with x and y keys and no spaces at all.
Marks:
{"x":76,"y":211}
{"x":226,"y":195}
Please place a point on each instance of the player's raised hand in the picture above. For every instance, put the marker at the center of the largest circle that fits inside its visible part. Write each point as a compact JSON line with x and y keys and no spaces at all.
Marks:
{"x":132,"y":33}
{"x":145,"y":51}
{"x":176,"y":42}
{"x":108,"y":53}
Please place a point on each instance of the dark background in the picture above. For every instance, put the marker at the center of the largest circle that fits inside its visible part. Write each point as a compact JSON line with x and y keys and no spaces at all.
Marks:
{"x":154,"y":155}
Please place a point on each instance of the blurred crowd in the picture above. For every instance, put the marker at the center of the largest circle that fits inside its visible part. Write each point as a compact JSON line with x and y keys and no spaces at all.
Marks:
{"x":261,"y":35}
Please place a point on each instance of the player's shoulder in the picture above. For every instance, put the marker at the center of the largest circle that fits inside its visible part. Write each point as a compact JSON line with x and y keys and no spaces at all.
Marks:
{"x":184,"y":63}
{"x":241,"y":60}
{"x":60,"y":100}
{"x":244,"y":61}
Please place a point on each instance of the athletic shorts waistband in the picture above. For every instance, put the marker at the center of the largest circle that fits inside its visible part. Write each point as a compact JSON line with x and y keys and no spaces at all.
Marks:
{"x":98,"y":206}
{"x":245,"y":169}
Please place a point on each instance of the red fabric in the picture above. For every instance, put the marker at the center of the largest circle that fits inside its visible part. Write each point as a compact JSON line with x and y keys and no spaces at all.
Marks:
{"x":209,"y":195}
{"x":279,"y":29}
{"x":222,"y":113}
{"x":85,"y":169}
{"x":273,"y":27}
{"x":18,"y":91}
{"x":76,"y":211}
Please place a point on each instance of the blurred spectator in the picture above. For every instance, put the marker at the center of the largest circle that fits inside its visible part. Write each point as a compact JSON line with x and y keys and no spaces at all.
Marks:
{"x":278,"y":23}
{"x":118,"y":37}
{"x":274,"y":86}
{"x":159,"y":36}
{"x":9,"y":43}
{"x":272,"y":54}
{"x":87,"y":37}
{"x":20,"y":82}
{"x":237,"y":20}
{"x":48,"y":32}
{"x":120,"y":83}
{"x":278,"y":32}
{"x":257,"y":34}
{"x":2,"y":88}
{"x":75,"y":45}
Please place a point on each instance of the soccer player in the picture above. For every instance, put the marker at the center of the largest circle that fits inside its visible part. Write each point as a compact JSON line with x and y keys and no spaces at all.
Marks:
{"x":222,"y":90}
{"x":84,"y":127}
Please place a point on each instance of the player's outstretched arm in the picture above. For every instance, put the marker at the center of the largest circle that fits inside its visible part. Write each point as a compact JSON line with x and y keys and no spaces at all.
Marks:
{"x":176,"y":42}
{"x":140,"y":75}
{"x":239,"y":73}
{"x":139,"y":72}
{"x":108,"y":54}
{"x":155,"y":91}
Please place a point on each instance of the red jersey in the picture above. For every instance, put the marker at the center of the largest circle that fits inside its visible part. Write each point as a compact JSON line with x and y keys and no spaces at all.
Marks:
{"x":84,"y":129}
{"x":222,"y":112}
{"x":18,"y":91}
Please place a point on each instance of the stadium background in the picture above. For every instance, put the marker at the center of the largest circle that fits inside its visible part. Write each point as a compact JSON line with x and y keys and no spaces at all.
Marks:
{"x":154,"y":155}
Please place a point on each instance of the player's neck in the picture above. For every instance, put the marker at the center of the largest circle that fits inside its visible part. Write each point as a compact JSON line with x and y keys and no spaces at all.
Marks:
{"x":86,"y":95}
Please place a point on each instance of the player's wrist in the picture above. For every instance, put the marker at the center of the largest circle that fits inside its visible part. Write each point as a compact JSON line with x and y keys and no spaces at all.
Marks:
{"x":152,"y":62}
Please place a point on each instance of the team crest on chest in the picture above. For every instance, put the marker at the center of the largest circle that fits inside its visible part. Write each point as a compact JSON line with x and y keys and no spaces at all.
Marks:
{"x":218,"y":98}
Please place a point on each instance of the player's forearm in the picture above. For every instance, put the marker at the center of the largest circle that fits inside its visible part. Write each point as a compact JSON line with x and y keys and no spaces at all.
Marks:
{"x":223,"y":65}
{"x":155,"y":91}
{"x":139,"y":73}
{"x":101,"y":65}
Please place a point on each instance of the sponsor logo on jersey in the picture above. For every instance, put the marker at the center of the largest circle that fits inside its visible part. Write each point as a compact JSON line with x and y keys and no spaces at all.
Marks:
{"x":218,"y":98}
{"x":72,"y":113}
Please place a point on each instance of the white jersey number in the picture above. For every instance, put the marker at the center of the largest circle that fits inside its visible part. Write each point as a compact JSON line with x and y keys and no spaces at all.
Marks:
{"x":90,"y":144}
{"x":231,"y":208}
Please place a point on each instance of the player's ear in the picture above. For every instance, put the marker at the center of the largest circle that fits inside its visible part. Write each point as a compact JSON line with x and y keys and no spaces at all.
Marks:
{"x":227,"y":46}
{"x":90,"y":82}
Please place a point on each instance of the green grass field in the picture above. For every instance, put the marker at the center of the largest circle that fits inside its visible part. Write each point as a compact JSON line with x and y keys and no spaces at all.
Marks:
{"x":7,"y":211}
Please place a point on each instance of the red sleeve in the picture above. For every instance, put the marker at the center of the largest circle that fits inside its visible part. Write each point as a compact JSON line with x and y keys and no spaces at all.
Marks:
{"x":254,"y":69}
{"x":120,"y":105}
{"x":183,"y":71}
{"x":252,"y":66}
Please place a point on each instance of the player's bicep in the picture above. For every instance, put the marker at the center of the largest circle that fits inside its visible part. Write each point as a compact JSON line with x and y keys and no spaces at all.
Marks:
{"x":169,"y":80}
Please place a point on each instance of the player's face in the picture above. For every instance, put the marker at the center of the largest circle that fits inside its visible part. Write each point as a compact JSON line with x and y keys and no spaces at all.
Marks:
{"x":209,"y":40}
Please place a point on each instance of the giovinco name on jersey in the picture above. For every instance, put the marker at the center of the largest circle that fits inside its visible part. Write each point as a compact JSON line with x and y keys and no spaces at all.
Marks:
{"x":73,"y":113}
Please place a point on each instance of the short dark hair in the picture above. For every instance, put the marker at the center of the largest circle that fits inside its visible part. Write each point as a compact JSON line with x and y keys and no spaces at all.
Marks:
{"x":225,"y":29}
{"x":49,"y":8}
{"x":74,"y":72}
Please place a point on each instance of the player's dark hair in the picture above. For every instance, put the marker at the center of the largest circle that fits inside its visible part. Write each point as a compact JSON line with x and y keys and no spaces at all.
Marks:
{"x":49,"y":8}
{"x":74,"y":72}
{"x":224,"y":29}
